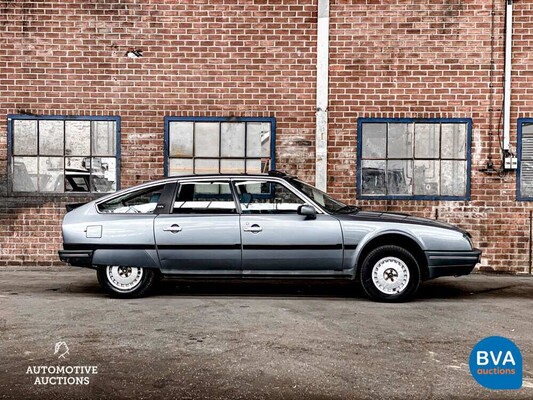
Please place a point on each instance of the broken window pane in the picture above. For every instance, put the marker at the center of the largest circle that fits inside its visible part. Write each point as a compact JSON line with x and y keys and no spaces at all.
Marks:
{"x":373,"y":177}
{"x":400,"y":143}
{"x":399,"y":177}
{"x":77,"y":138}
{"x":426,"y":178}
{"x":25,"y":174}
{"x":104,"y":174}
{"x":232,"y":139}
{"x":427,"y":140}
{"x":180,"y":166}
{"x":206,"y":137}
{"x":51,"y":177}
{"x":374,"y":140}
{"x":453,"y":141}
{"x":180,"y":136}
{"x":24,"y":137}
{"x":104,"y":138}
{"x":206,"y":166}
{"x":51,"y":137}
{"x":232,"y":166}
{"x":453,"y":178}
{"x":526,"y":178}
{"x":258,"y":139}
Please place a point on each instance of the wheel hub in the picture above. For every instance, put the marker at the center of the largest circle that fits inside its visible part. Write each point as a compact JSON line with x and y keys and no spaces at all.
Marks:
{"x":124,"y":278}
{"x":390,"y":275}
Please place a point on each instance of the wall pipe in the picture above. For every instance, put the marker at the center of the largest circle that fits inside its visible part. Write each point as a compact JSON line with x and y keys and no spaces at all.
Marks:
{"x":507,"y":75}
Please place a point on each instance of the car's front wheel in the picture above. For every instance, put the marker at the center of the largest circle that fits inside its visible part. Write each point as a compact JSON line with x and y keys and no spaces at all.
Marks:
{"x":125,"y":282}
{"x":390,"y":273}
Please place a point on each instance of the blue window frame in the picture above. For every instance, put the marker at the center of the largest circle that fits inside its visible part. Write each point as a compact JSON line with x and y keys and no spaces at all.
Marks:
{"x":63,"y":154}
{"x":524,"y":173}
{"x":418,"y":159}
{"x":201,"y":145}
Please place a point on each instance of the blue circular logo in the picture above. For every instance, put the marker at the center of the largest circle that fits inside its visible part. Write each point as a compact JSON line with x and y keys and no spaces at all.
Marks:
{"x":496,"y":363}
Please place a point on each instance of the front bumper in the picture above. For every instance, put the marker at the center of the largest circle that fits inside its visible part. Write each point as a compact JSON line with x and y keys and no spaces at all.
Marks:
{"x":77,"y":258}
{"x":448,"y":263}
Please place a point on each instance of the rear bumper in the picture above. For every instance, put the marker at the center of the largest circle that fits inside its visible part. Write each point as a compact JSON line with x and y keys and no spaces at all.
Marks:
{"x":77,"y":258}
{"x":447,"y":263}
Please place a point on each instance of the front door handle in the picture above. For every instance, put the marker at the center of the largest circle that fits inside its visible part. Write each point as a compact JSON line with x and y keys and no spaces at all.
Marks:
{"x":173,"y":228}
{"x":253,"y":228}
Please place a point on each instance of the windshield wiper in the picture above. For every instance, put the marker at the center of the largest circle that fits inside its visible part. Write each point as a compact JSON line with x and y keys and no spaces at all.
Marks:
{"x":348,"y":209}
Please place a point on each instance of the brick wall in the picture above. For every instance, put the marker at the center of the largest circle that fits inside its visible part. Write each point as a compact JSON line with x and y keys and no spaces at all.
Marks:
{"x":258,"y":58}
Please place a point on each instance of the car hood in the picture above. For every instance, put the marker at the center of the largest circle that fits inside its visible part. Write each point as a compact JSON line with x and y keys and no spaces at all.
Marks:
{"x":397,"y":217}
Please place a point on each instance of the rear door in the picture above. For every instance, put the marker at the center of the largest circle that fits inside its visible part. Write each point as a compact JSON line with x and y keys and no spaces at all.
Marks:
{"x":276,"y":238}
{"x":201,"y":235}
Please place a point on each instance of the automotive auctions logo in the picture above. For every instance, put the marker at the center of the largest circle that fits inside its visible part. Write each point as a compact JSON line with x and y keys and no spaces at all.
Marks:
{"x":62,"y":374}
{"x":496,"y":363}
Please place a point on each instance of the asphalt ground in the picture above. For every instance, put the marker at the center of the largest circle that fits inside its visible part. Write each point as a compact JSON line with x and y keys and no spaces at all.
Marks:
{"x":255,"y":340}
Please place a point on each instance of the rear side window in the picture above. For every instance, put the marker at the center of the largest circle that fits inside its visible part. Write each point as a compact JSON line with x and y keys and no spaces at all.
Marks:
{"x":142,"y":201}
{"x":204,"y":198}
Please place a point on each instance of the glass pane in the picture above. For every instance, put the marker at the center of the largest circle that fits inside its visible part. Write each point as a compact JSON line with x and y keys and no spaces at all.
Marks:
{"x":373,"y":180}
{"x":271,"y":198}
{"x":104,"y":174}
{"x":453,"y":178}
{"x":180,"y":137}
{"x":142,"y":201}
{"x":25,"y":174}
{"x":232,"y":166}
{"x":427,"y":140}
{"x":526,"y":179}
{"x":51,"y":178}
{"x":527,"y":142}
{"x":426,"y":178}
{"x":453,"y":141}
{"x":206,"y":139}
{"x":258,"y":139}
{"x":400,"y":140}
{"x":374,"y":140}
{"x":204,"y":198}
{"x":51,"y":137}
{"x":77,"y":163}
{"x":24,"y":137}
{"x":77,"y":138}
{"x":206,"y":166}
{"x":253,"y":166}
{"x":180,"y":166}
{"x":232,"y":139}
{"x":104,"y":138}
{"x":399,"y":177}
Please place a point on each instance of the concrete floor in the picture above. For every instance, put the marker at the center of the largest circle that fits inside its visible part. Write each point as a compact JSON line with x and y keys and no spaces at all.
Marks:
{"x":258,"y":340}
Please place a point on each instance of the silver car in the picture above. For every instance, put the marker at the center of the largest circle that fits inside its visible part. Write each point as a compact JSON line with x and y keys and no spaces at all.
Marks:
{"x":256,"y":226}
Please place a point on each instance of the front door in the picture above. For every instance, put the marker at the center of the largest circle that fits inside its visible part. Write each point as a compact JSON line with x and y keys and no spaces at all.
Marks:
{"x":276,"y":238}
{"x":202,"y":233}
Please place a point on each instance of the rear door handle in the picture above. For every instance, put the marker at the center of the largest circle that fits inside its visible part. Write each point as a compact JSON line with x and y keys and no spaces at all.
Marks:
{"x":253,"y":228}
{"x":172,"y":228}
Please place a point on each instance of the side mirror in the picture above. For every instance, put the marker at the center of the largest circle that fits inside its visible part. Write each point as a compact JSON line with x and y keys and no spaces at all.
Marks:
{"x":308,"y":211}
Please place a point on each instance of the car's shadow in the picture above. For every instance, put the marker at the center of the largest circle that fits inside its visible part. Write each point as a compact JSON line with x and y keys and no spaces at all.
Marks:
{"x":439,"y":289}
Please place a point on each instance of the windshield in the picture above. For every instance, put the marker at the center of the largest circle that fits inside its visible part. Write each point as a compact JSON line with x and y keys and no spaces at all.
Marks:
{"x":327,"y":202}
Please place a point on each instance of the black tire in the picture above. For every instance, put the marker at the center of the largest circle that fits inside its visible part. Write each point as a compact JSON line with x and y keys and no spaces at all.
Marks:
{"x":390,"y":274}
{"x":146,"y":281}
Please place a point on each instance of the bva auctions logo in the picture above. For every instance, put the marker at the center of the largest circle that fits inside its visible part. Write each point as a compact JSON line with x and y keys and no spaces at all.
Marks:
{"x":496,"y":363}
{"x":57,"y":349}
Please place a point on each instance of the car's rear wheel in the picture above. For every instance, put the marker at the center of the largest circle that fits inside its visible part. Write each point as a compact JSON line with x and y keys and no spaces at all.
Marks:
{"x":390,"y":273}
{"x":126,"y":282}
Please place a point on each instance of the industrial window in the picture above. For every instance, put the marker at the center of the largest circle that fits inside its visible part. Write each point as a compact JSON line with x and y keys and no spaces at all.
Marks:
{"x":203,"y":145}
{"x":59,"y":154}
{"x":524,"y":181}
{"x":414,"y":159}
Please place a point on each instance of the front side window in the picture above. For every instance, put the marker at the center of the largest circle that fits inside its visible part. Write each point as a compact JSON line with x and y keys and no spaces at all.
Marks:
{"x":524,"y":180}
{"x":204,"y":198}
{"x":63,"y":154}
{"x":195,"y":145}
{"x":267,"y":197}
{"x":405,"y":158}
